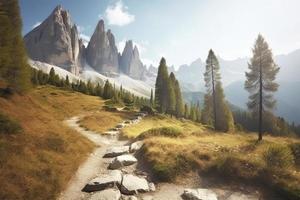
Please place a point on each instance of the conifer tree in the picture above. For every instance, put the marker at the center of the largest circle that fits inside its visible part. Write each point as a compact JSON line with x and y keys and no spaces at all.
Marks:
{"x":171,"y":94}
{"x":260,"y":81}
{"x":161,"y":87}
{"x":67,"y":82}
{"x":52,"y":76}
{"x":216,"y":111}
{"x":186,"y":111}
{"x":107,"y":90}
{"x":14,"y":68}
{"x":179,"y":101}
{"x":151,"y":98}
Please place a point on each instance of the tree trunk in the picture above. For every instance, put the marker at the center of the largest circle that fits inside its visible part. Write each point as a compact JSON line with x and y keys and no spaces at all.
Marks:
{"x":260,"y":103}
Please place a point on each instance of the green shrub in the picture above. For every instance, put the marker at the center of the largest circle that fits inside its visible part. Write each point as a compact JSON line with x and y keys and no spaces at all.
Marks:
{"x":278,"y":156}
{"x":163,"y":172}
{"x":8,"y":126}
{"x":164,"y":131}
{"x":295,"y":147}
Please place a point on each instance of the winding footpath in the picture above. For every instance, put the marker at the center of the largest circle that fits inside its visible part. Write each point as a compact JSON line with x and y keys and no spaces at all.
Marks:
{"x":110,"y":173}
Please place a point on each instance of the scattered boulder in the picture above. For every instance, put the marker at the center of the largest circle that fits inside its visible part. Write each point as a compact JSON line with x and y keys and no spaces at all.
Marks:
{"x":136,"y":146}
{"x":152,"y":187}
{"x":199,"y":194}
{"x":109,"y":194}
{"x":132,"y":185}
{"x":104,"y":181}
{"x":123,"y":160}
{"x":116,"y":151}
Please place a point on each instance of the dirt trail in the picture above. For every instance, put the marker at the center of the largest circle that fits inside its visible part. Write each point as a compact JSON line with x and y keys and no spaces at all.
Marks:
{"x":93,"y":166}
{"x":96,"y":165}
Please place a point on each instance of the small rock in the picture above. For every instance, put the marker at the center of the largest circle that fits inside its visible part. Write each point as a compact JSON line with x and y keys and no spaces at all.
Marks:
{"x":109,"y":194}
{"x":199,"y":194}
{"x":116,"y":151}
{"x":129,"y":197}
{"x":147,"y":197}
{"x":119,"y":126}
{"x":132,"y":185}
{"x":152,"y":187}
{"x":123,"y":160}
{"x":240,"y":196}
{"x":104,"y":181}
{"x":111,"y":133}
{"x":136,"y":146}
{"x":127,"y":122}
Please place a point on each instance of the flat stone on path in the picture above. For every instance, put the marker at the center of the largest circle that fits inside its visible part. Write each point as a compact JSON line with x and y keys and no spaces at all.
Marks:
{"x":109,"y":194}
{"x":116,"y":151}
{"x":123,"y":160}
{"x":136,"y":146}
{"x":132,"y":185}
{"x":199,"y":194}
{"x":104,"y":181}
{"x":240,"y":196}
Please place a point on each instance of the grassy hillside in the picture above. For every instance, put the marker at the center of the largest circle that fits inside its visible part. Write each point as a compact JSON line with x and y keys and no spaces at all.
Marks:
{"x":173,"y":152}
{"x":38,"y":162}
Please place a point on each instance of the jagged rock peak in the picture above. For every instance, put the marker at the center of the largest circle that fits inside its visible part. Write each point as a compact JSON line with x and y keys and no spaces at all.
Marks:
{"x":56,"y":41}
{"x":130,"y":62}
{"x":102,"y":53}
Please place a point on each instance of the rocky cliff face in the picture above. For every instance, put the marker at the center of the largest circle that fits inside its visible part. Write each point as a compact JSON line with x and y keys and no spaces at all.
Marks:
{"x":56,"y":42}
{"x":102,"y":53}
{"x":130,"y":62}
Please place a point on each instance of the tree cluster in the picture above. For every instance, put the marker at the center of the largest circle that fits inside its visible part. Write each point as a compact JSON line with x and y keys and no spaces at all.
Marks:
{"x":168,"y":98}
{"x":106,"y":91}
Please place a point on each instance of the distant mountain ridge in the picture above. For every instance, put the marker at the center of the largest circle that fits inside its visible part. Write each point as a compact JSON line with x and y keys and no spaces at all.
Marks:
{"x":56,"y":41}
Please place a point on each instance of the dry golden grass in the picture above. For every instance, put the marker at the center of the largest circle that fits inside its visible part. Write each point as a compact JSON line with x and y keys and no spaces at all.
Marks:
{"x":237,"y":155}
{"x":102,"y":120}
{"x":158,"y":121}
{"x":38,"y":163}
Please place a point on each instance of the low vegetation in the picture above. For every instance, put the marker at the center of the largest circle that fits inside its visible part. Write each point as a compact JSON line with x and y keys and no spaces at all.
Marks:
{"x":9,"y":126}
{"x":103,"y":120}
{"x":237,"y":157}
{"x":38,"y":163}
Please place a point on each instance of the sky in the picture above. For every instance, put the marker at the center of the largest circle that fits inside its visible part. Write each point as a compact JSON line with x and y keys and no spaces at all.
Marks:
{"x":181,"y":31}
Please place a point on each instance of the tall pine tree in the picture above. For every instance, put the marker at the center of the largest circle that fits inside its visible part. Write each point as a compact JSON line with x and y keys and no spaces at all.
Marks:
{"x":179,"y":110}
{"x":260,"y":81}
{"x":161,"y":87}
{"x":171,"y":94}
{"x":14,"y":69}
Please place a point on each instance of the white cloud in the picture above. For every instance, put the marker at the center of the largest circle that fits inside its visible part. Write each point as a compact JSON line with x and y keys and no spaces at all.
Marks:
{"x":36,"y":24}
{"x":118,"y":14}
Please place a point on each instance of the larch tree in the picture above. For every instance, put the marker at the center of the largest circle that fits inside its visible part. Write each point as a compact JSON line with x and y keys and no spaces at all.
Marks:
{"x":211,"y":77}
{"x":151,"y":98}
{"x":161,"y":87}
{"x":260,"y":81}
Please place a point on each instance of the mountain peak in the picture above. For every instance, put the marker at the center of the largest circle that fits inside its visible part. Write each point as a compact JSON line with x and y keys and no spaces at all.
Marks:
{"x":100,"y":26}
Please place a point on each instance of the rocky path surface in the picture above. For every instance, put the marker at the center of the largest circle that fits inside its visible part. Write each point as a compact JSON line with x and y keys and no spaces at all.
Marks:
{"x":110,"y":173}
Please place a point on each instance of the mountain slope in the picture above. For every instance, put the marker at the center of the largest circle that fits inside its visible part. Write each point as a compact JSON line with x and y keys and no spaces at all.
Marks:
{"x":137,"y":87}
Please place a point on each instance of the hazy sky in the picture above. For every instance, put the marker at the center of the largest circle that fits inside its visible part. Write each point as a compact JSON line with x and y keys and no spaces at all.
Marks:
{"x":182,"y":31}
